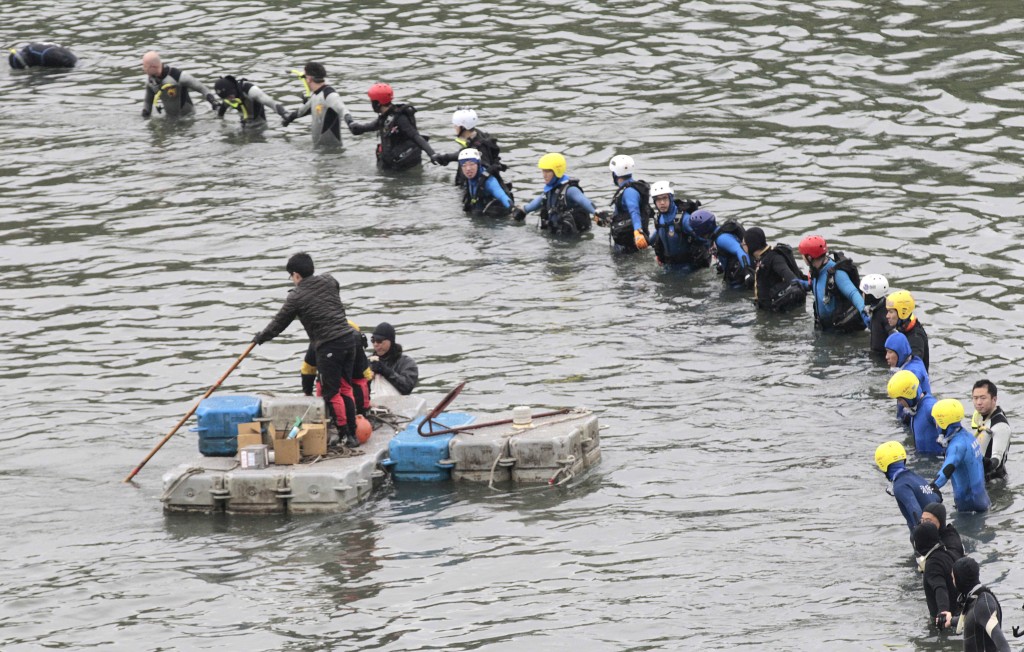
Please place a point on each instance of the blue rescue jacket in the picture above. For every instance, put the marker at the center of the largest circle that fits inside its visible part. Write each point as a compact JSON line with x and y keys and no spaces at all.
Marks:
{"x":912,"y":493}
{"x":732,"y":260}
{"x":968,"y":473}
{"x":674,"y":241}
{"x":825,"y":307}
{"x":481,"y":189}
{"x":922,"y":426}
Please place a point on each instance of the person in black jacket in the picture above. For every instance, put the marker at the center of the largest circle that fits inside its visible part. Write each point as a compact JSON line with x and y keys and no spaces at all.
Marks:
{"x":873,"y":288}
{"x":937,"y":564}
{"x":42,"y":55}
{"x":779,"y":284}
{"x":316,"y":302}
{"x":935,"y":513}
{"x":248,"y":99}
{"x":400,"y":141}
{"x":394,"y":366}
{"x":982,"y":615}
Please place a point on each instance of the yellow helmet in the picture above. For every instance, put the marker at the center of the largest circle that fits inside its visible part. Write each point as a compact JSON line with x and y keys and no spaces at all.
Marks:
{"x":554,"y":162}
{"x":889,"y":452}
{"x":902,"y":303}
{"x":903,"y":384}
{"x":947,"y":412}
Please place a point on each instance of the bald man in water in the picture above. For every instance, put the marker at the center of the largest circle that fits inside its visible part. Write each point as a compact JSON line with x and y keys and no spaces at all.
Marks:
{"x":167,"y":88}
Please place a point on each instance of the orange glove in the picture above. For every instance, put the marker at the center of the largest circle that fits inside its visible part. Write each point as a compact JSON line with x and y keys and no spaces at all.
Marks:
{"x":639,"y":239}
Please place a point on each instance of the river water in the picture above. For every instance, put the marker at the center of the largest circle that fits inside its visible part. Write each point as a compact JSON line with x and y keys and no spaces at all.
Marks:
{"x":737,"y":504}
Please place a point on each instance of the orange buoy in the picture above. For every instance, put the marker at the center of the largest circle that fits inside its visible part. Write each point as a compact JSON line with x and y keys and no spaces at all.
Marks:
{"x":363,"y":429}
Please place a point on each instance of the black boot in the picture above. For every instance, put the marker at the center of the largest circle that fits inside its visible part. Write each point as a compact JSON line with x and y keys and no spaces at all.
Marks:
{"x":350,"y":440}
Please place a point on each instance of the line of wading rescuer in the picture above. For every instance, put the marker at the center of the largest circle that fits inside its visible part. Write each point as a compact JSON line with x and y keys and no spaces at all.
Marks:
{"x":685,"y":238}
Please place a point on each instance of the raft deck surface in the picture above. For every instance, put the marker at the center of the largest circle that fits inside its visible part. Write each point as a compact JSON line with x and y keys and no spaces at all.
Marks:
{"x":323,"y":485}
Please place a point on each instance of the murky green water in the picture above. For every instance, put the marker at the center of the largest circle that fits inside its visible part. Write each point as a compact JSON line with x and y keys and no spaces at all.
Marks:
{"x":737,"y":504}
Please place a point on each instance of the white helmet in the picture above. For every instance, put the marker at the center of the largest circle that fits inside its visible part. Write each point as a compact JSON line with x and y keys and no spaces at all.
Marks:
{"x":875,"y":285}
{"x":469,"y":154}
{"x":464,"y":117}
{"x":659,"y":188}
{"x":621,"y":165}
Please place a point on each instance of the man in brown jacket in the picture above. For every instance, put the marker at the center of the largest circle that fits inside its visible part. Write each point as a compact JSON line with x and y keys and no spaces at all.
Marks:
{"x":316,"y":301}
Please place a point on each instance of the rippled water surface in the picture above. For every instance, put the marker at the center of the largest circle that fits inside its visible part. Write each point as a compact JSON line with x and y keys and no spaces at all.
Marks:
{"x":737,"y":504}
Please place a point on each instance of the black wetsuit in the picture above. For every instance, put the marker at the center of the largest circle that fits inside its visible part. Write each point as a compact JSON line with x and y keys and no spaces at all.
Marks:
{"x":42,"y":55}
{"x":400,"y":142}
{"x":982,"y":620}
{"x":777,"y":281}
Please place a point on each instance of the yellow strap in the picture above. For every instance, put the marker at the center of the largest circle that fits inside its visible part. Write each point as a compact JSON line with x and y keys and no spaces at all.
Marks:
{"x":302,"y":78}
{"x":160,"y":92}
{"x":464,"y":143}
{"x":307,"y":369}
{"x":239,"y":105}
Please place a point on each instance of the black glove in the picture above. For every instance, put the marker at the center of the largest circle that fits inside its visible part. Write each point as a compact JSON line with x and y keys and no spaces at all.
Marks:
{"x":348,"y":119}
{"x":748,"y":278}
{"x":281,"y":110}
{"x":435,"y":158}
{"x":690,"y":206}
{"x":290,"y":118}
{"x":602,"y":218}
{"x":935,"y":488}
{"x":376,"y":367}
{"x":146,"y":112}
{"x":518,"y":214}
{"x":214,"y":104}
{"x":258,"y":338}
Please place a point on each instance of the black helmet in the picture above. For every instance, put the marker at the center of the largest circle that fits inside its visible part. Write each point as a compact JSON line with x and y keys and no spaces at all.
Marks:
{"x":226,"y":86}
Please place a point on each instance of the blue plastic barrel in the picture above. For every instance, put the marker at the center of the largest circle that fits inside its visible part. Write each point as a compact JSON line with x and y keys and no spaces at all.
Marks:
{"x":219,"y":417}
{"x":418,"y":459}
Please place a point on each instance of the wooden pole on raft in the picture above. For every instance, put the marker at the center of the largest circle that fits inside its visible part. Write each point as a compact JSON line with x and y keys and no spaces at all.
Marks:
{"x":190,"y":413}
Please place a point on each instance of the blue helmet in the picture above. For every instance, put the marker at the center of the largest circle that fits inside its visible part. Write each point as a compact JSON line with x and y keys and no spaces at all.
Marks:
{"x":703,"y":222}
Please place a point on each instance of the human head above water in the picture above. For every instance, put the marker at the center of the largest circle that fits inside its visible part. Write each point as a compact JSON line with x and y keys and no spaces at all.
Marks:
{"x":984,"y":397}
{"x":301,"y":264}
{"x":151,"y":63}
{"x":553,"y":166}
{"x":316,"y":72}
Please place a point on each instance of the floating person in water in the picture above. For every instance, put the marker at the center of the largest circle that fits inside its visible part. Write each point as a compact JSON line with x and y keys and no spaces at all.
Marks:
{"x":838,"y":304}
{"x":779,"y":283}
{"x":873,"y":288}
{"x":361,"y":376}
{"x":898,"y":356}
{"x":248,"y":99}
{"x":678,"y":241}
{"x":899,"y":312}
{"x":936,"y":562}
{"x":981,"y":617}
{"x":484,"y":194}
{"x":400,"y":141}
{"x":390,"y":362}
{"x":631,"y":208}
{"x":324,"y":105}
{"x":464,"y":121}
{"x":935,"y":513}
{"x":564,"y":209}
{"x":734,"y":264}
{"x":964,"y":460}
{"x":912,"y":492}
{"x":167,"y":89}
{"x":991,"y":428}
{"x":316,"y":302}
{"x":906,"y":389}
{"x":42,"y":55}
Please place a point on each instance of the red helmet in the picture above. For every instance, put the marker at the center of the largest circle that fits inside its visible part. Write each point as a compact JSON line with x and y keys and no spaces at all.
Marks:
{"x":381,"y":93}
{"x":813,"y":246}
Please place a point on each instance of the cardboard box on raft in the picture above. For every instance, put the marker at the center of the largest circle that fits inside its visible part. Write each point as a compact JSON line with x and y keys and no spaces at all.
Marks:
{"x":249,"y":434}
{"x":313,"y":439}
